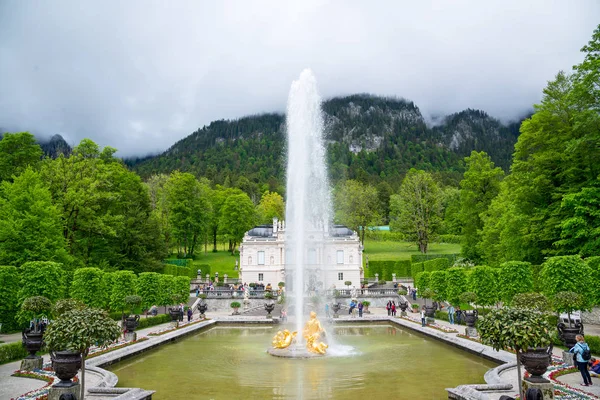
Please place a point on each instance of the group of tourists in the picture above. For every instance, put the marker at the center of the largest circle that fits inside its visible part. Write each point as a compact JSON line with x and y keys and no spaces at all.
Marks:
{"x":391,"y":308}
{"x":358,"y":305}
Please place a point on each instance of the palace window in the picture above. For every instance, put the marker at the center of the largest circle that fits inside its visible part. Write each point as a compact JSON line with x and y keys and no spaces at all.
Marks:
{"x":340,"y":256}
{"x":260,"y":277}
{"x":312,"y":256}
{"x":261,"y":258}
{"x":340,"y":276}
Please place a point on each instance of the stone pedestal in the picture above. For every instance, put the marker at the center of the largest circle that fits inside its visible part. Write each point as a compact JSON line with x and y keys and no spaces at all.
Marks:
{"x":545,"y":387}
{"x":471,"y":332}
{"x":130,"y":336}
{"x":568,"y":358}
{"x":430,"y":320}
{"x":173,"y":324}
{"x":403,"y":313}
{"x":55,"y":392}
{"x":29,"y":364}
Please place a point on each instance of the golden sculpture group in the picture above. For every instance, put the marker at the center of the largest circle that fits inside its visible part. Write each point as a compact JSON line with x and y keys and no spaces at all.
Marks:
{"x":312,"y":333}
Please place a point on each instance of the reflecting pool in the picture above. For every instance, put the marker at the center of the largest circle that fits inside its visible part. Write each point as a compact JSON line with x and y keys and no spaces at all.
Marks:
{"x":230,"y":362}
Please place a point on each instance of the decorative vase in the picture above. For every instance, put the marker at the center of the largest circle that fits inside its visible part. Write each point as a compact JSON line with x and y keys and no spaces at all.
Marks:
{"x":471,"y":318}
{"x":403,"y":306}
{"x":33,"y":342}
{"x":174,"y":313}
{"x":235,"y":311}
{"x":131,"y":323}
{"x":336,"y":309}
{"x":65,"y":365}
{"x":536,"y":361}
{"x":430,"y":311}
{"x":202,"y":307}
{"x":567,"y":334}
{"x":269,"y":307}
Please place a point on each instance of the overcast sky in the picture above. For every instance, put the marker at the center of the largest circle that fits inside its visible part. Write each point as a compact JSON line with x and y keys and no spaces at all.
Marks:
{"x":140,"y":75}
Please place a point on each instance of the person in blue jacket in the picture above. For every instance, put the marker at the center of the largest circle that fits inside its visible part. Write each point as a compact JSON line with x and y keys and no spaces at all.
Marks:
{"x":581,"y":349}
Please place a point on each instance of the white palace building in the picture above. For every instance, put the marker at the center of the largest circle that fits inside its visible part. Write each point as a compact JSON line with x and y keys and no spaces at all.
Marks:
{"x":333,"y":256}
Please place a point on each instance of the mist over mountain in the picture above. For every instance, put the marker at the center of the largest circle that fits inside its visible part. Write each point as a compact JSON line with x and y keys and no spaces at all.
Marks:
{"x":369,"y":138}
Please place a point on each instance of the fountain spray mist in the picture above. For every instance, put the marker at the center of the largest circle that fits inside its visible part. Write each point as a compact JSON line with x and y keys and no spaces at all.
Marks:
{"x":308,"y":193}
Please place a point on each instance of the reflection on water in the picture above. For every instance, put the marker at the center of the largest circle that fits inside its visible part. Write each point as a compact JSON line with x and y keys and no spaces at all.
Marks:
{"x":232,"y":363}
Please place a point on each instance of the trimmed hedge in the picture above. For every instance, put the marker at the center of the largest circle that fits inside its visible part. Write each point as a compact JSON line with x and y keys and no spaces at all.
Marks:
{"x":151,"y":321}
{"x":12,"y":352}
{"x":185,"y":262}
{"x":437,"y":264}
{"x":415,"y":268}
{"x":385,"y":269}
{"x":176,"y":270}
{"x":416,"y":258}
{"x":205,"y":268}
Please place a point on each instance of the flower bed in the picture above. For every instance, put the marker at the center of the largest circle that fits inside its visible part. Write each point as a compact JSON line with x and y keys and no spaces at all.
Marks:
{"x":563,"y":391}
{"x":45,"y":374}
{"x":441,"y":328}
{"x":171,"y":329}
{"x":97,"y":351}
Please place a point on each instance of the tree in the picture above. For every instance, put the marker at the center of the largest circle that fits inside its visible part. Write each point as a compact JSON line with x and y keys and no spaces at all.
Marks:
{"x":166,"y":294}
{"x":438,"y":282}
{"x":148,"y":287}
{"x":123,"y":285}
{"x":181,"y":289}
{"x":594,"y":264}
{"x":567,"y":302}
{"x":189,"y":211}
{"x":514,"y":328}
{"x":33,"y":308}
{"x":77,"y":330}
{"x":30,"y":225}
{"x":531,"y":301}
{"x":17,"y":152}
{"x":483,"y":282}
{"x":515,"y":277}
{"x":384,"y":191}
{"x":357,"y":206}
{"x":271,"y":206}
{"x":217,"y":198}
{"x":9,"y":299}
{"x":422,"y":280}
{"x":416,"y":210}
{"x":42,"y":278}
{"x":480,"y":185}
{"x":452,"y":224}
{"x":88,"y":286}
{"x":566,"y":274}
{"x":457,"y":284}
{"x":237,"y":216}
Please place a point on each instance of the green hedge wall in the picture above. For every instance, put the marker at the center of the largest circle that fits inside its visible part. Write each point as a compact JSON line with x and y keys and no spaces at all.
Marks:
{"x":205,"y":268}
{"x":415,"y":258}
{"x":185,"y":262}
{"x":9,"y":300}
{"x":176,"y":270}
{"x":12,"y":352}
{"x":437,"y":264}
{"x":151,"y":321}
{"x":415,"y":268}
{"x":385,"y":269}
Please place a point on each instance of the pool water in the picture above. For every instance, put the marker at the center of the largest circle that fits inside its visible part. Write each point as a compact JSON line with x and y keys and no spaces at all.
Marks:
{"x":374,"y":362}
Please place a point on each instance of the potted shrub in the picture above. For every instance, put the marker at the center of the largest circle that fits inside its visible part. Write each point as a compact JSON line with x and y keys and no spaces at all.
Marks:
{"x":348,"y":283}
{"x":382,"y":282}
{"x":32,"y":309}
{"x":366,"y":305}
{"x":470,"y":315}
{"x":365,"y":282}
{"x":402,"y":292}
{"x":567,"y":302}
{"x":236,"y":306}
{"x":281,"y":284}
{"x":415,"y":308}
{"x":131,"y":322}
{"x":525,"y":331}
{"x":270,"y":304}
{"x":70,"y":337}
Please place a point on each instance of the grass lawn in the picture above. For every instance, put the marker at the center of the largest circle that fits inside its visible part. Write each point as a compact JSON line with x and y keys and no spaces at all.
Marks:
{"x":223,"y":262}
{"x":388,"y":250}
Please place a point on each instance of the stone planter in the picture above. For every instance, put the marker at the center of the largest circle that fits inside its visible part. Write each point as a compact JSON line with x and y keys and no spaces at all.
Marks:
{"x":470,"y":318}
{"x":131,"y":323}
{"x":536,"y":362}
{"x":33,"y":342}
{"x":336,"y":309}
{"x":202,"y":307}
{"x":430,"y":311}
{"x":567,"y":334}
{"x":174,"y":313}
{"x":269,"y":307}
{"x":236,"y":311}
{"x":65,"y":364}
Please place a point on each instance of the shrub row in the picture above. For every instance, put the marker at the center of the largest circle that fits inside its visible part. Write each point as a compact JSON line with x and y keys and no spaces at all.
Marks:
{"x":176,"y":270}
{"x":185,"y":262}
{"x":385,"y":269}
{"x":416,"y":258}
{"x":12,"y":352}
{"x":151,"y":321}
{"x":437,"y":264}
{"x":456,"y":239}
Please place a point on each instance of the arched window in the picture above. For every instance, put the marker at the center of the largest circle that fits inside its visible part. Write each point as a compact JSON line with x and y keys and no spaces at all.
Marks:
{"x":249,"y":260}
{"x":272,"y":259}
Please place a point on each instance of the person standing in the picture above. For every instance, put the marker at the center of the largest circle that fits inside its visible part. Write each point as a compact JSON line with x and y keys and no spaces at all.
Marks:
{"x":327,"y":310}
{"x":189,"y":314}
{"x":451,"y":314}
{"x":423,"y":316}
{"x":388,"y":307}
{"x":582,"y":357}
{"x":393,"y":308}
{"x":360,"y":309}
{"x":458,"y":315}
